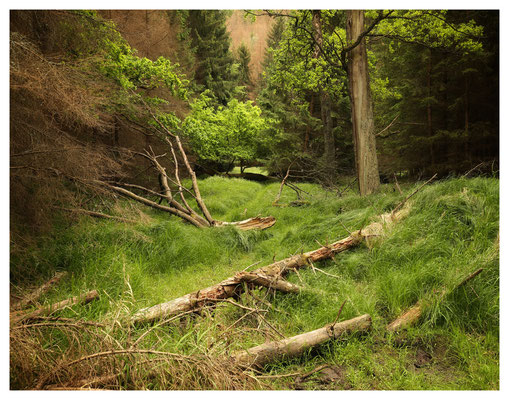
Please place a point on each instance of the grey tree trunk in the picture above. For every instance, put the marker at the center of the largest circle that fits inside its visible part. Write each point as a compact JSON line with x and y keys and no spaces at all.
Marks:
{"x":362,"y":107}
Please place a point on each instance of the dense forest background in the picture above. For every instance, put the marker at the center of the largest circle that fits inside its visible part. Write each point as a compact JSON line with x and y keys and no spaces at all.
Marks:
{"x":243,"y":90}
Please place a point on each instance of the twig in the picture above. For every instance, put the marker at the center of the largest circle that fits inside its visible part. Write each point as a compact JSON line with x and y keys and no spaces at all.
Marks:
{"x":388,"y":126}
{"x":162,"y":323}
{"x":96,"y":214}
{"x":339,"y":313}
{"x":79,"y":324}
{"x":326,"y":273}
{"x":252,"y":265}
{"x":414,"y":192}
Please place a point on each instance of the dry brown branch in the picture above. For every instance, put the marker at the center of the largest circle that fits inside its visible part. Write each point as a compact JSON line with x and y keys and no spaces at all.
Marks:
{"x":412,"y":315}
{"x":85,"y":298}
{"x":269,"y":282}
{"x":32,"y":297}
{"x":97,"y":214}
{"x":278,"y":196}
{"x":413,"y":193}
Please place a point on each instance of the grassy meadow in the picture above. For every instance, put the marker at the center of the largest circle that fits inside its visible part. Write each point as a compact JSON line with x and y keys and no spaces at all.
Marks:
{"x":451,"y":230}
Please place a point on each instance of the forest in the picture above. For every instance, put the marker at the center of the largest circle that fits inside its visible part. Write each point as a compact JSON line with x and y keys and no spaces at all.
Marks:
{"x":254,"y":200}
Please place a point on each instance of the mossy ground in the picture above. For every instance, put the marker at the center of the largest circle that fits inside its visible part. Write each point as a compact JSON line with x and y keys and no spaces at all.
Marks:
{"x":451,"y":231}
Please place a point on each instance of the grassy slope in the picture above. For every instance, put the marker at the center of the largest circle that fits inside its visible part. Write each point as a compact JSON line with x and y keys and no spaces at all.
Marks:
{"x":451,"y":231}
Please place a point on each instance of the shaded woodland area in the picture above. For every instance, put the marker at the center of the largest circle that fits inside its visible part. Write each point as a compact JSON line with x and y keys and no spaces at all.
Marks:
{"x":157,"y":156}
{"x":75,"y":82}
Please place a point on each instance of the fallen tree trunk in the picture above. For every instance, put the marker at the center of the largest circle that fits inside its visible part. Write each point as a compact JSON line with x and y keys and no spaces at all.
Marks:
{"x":259,"y":279}
{"x":412,"y":315}
{"x":296,"y":345}
{"x":232,"y":286}
{"x":47,"y":310}
{"x":33,"y":296}
{"x":250,"y":223}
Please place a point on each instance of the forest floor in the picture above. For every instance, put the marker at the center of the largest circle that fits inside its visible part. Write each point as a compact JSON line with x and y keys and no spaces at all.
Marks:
{"x":451,"y":230}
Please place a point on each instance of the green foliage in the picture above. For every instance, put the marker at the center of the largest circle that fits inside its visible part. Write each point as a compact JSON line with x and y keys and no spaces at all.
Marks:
{"x":235,"y":132}
{"x":132,"y":72}
{"x":431,"y":29}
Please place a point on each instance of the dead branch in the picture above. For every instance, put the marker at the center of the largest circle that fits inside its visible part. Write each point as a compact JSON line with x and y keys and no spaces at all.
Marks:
{"x":388,"y":126}
{"x":412,"y":315}
{"x":260,"y":355}
{"x":85,"y":298}
{"x":278,"y":196}
{"x":413,"y":193}
{"x":267,"y":281}
{"x":96,"y":214}
{"x":32,"y":297}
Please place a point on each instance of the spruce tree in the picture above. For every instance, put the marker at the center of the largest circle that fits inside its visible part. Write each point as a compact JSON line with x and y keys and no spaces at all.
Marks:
{"x":244,"y":58}
{"x":211,"y":45}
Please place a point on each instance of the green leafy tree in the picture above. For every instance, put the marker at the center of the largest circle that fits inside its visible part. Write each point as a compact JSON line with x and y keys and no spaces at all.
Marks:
{"x":226,"y":135}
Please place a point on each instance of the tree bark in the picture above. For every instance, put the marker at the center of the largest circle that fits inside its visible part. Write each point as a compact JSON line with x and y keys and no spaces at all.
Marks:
{"x":296,"y":345}
{"x":362,"y":107}
{"x":429,"y":111}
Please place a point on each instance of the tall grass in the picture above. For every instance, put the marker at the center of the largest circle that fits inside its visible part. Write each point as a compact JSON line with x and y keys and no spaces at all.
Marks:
{"x":452,"y":230}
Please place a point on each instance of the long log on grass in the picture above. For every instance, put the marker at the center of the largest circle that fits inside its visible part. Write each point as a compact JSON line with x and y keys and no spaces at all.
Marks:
{"x":232,"y":286}
{"x":296,"y":345}
{"x":412,"y":315}
{"x":47,"y":310}
{"x":33,"y":296}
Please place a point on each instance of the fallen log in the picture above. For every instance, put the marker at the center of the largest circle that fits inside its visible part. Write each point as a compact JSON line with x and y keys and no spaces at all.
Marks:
{"x":296,"y":345}
{"x":33,"y":296}
{"x":259,"y":279}
{"x":412,"y":315}
{"x":232,"y":286}
{"x":258,"y":222}
{"x":84,"y":298}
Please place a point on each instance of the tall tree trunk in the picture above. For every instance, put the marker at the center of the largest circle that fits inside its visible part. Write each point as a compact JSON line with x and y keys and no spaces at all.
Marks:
{"x":307,"y":134}
{"x":325,"y":102}
{"x":429,"y":114}
{"x":468,"y":155}
{"x":362,"y":107}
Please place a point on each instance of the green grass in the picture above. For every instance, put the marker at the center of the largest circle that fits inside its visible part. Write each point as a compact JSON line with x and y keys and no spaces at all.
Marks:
{"x":451,"y":231}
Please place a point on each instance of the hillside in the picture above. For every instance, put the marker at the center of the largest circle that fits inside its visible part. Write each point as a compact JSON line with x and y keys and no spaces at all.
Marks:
{"x":451,"y":230}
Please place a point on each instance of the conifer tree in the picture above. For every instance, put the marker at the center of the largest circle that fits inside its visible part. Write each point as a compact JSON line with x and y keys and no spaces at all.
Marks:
{"x":211,"y":44}
{"x":244,"y":58}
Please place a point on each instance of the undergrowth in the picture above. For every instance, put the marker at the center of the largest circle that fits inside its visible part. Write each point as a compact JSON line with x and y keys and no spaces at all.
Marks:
{"x":451,"y":231}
